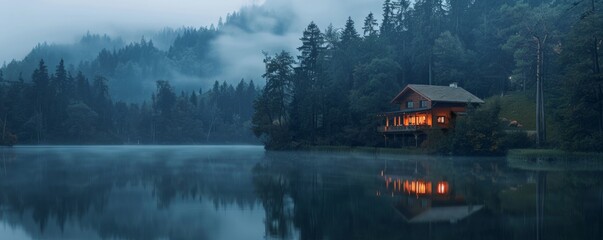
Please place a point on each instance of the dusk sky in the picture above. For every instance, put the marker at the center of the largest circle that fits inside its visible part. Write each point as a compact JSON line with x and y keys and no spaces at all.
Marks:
{"x":26,"y":23}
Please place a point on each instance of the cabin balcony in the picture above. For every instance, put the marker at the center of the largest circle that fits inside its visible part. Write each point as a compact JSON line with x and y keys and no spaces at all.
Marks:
{"x":405,"y":121}
{"x":402,"y":128}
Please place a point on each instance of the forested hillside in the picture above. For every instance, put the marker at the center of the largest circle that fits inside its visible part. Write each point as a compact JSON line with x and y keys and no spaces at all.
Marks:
{"x":185,"y":56}
{"x":130,"y":68}
{"x":105,"y":91}
{"x":329,"y":91}
{"x":67,"y":108}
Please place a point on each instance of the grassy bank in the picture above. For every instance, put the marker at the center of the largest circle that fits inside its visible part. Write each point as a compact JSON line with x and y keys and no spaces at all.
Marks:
{"x":553,"y":153}
{"x":517,"y":106}
{"x":554,"y":160}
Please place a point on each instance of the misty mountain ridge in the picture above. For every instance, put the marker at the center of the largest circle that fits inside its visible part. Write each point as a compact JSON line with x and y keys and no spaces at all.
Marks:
{"x":188,"y":57}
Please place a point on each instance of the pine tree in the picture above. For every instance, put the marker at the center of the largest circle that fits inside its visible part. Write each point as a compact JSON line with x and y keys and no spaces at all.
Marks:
{"x":60,"y":88}
{"x":60,"y":79}
{"x":349,"y":33}
{"x":388,"y":24}
{"x":165,"y":98}
{"x":311,"y":48}
{"x":279,"y":83}
{"x":42,"y":95}
{"x":308,"y":87}
{"x":401,"y":16}
{"x":101,"y":103}
{"x":331,"y":37}
{"x":82,"y":89}
{"x":271,"y":116}
{"x":369,"y":25}
{"x":41,"y":82}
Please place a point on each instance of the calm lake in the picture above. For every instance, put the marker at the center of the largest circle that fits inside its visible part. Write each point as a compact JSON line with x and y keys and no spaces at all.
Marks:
{"x":243,"y":192}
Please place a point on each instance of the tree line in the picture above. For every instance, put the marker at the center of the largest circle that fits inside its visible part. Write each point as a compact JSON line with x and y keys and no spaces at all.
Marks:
{"x":182,"y":53}
{"x":67,"y":108}
{"x":129,"y":66}
{"x":330,"y":91}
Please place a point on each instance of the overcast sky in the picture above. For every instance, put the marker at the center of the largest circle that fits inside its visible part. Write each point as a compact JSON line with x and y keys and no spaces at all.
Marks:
{"x":26,"y":23}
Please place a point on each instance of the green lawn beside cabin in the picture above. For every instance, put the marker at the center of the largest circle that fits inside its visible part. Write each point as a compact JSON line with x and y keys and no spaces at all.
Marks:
{"x":517,"y":106}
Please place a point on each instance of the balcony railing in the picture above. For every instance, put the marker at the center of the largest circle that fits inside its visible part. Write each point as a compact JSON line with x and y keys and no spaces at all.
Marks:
{"x":401,"y":128}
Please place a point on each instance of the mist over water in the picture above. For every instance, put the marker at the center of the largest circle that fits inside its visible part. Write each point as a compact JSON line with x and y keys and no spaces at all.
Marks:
{"x":243,"y":192}
{"x":183,"y":192}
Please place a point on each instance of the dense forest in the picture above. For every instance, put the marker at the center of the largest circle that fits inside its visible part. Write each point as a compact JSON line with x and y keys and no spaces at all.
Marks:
{"x":329,"y":92}
{"x":68,"y":108}
{"x":104,"y":91}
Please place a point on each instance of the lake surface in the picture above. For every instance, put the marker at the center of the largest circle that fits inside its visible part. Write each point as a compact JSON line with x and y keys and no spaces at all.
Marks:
{"x":243,"y":192}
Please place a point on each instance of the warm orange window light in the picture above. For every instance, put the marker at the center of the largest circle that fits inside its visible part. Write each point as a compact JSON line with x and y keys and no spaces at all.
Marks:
{"x":442,"y":187}
{"x":408,"y":120}
{"x":418,"y":187}
{"x":441,"y":119}
{"x":422,"y":119}
{"x":417,"y":119}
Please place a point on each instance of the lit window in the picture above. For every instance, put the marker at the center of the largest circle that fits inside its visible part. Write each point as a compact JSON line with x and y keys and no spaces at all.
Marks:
{"x":409,"y":104}
{"x":441,"y":119}
{"x":422,"y":120}
{"x":442,"y":187}
{"x":423,"y":104}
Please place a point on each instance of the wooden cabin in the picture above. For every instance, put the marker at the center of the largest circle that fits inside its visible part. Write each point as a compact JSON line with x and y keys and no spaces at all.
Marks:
{"x":424,"y":107}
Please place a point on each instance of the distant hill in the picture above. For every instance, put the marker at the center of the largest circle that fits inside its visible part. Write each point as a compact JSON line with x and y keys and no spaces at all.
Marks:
{"x":184,"y":56}
{"x":131,"y":68}
{"x":86,"y":49}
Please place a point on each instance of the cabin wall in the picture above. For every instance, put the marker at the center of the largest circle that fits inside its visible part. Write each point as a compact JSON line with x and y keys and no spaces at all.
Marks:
{"x":446,"y":110}
{"x":415,"y":98}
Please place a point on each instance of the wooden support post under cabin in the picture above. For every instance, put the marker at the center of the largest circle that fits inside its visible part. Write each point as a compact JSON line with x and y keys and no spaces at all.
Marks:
{"x":4,"y":127}
{"x":416,"y":139}
{"x":385,"y":137}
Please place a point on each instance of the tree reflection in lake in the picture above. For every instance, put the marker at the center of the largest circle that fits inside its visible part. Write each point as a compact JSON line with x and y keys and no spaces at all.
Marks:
{"x":131,"y":193}
{"x":347,"y":196}
{"x":235,"y":192}
{"x":328,"y":196}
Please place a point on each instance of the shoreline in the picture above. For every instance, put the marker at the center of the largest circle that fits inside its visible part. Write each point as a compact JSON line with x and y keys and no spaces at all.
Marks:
{"x":543,"y":154}
{"x":511,"y":153}
{"x":378,"y":150}
{"x":524,"y":154}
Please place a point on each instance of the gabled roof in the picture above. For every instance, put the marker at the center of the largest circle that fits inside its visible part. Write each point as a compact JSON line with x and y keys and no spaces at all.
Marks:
{"x":440,"y":94}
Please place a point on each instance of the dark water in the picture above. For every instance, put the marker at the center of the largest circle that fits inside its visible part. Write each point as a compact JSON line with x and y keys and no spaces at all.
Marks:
{"x":241,"y":192}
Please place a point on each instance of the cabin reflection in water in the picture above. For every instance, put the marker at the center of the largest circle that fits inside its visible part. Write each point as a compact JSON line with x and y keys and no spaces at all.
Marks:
{"x":424,"y":201}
